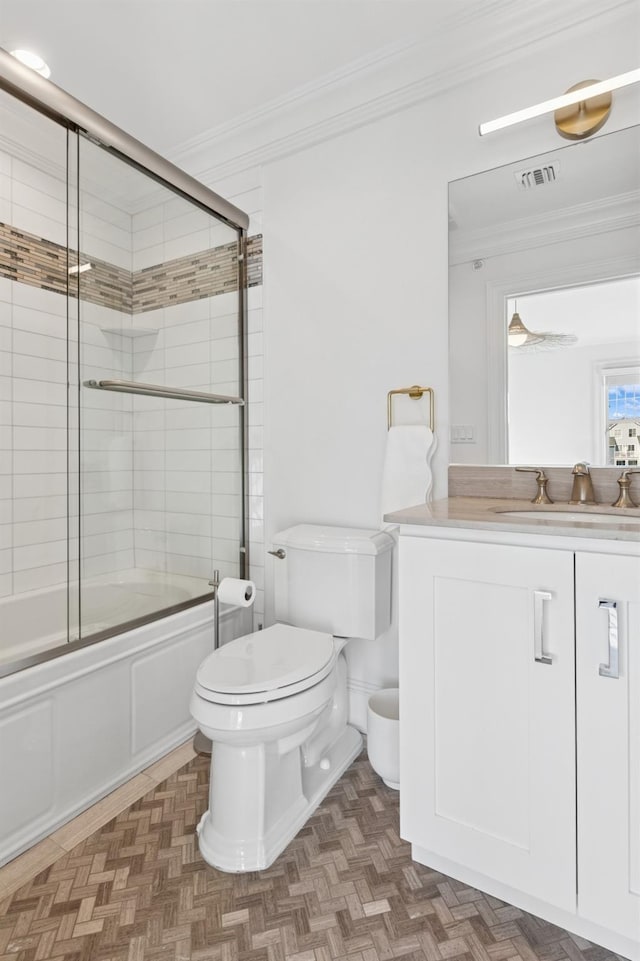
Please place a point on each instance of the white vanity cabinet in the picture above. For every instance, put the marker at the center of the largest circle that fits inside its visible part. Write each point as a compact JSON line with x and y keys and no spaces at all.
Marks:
{"x":519,"y":761}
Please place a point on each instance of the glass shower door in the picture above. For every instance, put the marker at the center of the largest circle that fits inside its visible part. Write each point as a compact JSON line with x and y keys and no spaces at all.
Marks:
{"x":38,"y":547}
{"x":161,"y":337}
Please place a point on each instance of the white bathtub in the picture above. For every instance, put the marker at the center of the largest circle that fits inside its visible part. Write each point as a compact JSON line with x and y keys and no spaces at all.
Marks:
{"x":74,"y":727}
{"x":36,"y":621}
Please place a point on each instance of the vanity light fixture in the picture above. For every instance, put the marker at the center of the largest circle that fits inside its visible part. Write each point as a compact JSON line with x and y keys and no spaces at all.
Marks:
{"x":582,"y":94}
{"x":33,"y":60}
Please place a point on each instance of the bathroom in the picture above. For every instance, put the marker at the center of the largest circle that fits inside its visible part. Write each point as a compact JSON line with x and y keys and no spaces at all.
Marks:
{"x":340,"y":322}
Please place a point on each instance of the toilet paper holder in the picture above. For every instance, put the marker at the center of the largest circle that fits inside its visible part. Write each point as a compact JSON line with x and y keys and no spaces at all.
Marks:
{"x":215,"y":584}
{"x":234,"y":591}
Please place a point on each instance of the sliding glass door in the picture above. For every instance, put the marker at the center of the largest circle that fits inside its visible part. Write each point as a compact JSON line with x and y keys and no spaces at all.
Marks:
{"x":161,"y":343}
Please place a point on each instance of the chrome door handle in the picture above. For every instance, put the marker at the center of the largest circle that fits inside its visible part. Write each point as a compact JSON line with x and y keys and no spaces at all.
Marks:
{"x":612,"y":668}
{"x":539,"y":597}
{"x":280,"y":553}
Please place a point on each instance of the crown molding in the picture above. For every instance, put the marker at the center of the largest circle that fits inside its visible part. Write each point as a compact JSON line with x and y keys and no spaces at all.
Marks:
{"x":301,"y":94}
{"x":570,"y":224}
{"x":465,"y":46}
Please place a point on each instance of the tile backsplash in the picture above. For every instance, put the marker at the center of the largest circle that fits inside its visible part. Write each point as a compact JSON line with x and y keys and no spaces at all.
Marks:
{"x":41,"y":263}
{"x":476,"y":480}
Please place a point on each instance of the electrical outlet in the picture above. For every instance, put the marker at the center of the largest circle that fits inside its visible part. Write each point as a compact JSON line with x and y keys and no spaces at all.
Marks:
{"x":462,"y":434}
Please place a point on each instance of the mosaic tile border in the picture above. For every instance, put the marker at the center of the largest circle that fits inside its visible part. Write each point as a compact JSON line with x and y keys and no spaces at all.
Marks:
{"x":32,"y":260}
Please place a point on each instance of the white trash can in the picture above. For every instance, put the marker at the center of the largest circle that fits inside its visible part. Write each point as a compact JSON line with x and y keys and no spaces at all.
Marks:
{"x":383,"y":735}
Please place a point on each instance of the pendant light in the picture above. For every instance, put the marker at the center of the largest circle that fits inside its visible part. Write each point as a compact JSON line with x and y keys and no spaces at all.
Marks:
{"x":518,"y":335}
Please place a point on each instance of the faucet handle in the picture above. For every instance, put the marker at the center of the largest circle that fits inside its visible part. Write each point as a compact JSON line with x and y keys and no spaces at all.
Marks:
{"x":542,"y":480}
{"x":624,"y":498}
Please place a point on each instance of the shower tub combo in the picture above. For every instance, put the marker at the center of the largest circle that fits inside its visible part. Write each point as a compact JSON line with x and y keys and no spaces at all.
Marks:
{"x":122,"y":450}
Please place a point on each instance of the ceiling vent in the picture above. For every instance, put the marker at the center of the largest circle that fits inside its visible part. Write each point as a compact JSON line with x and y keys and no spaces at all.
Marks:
{"x":537,"y":176}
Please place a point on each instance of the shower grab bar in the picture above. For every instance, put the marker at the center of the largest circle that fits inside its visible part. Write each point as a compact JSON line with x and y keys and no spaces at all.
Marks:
{"x":155,"y":390}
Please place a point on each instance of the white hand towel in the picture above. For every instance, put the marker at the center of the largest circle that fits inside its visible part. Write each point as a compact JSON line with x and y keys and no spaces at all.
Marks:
{"x":406,"y":474}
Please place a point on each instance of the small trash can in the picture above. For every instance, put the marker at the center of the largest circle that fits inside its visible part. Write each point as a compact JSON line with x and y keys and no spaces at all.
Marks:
{"x":383,"y":735}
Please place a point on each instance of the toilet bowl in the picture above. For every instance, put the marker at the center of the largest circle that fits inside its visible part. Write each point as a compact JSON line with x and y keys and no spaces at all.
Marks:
{"x":274,"y":703}
{"x":277,"y":723}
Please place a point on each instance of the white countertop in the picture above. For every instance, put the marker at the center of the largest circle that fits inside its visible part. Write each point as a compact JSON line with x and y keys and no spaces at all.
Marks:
{"x":488,"y":513}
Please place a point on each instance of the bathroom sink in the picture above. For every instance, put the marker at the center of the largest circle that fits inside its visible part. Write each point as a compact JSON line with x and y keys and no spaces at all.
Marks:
{"x":571,"y":516}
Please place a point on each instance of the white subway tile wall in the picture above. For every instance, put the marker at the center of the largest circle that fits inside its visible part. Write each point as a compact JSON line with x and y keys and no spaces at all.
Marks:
{"x":187,"y":465}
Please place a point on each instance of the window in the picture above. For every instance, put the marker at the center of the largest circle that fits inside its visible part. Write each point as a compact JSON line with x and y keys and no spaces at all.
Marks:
{"x":621,"y":395}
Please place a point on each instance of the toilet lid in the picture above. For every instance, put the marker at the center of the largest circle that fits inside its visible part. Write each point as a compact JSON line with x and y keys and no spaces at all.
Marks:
{"x":266,"y":665}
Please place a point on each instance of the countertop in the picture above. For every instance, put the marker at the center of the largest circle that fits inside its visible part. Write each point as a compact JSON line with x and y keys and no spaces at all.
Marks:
{"x":488,"y":513}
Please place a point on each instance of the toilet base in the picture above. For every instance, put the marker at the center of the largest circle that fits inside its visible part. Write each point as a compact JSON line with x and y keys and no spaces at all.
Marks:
{"x":258,"y":853}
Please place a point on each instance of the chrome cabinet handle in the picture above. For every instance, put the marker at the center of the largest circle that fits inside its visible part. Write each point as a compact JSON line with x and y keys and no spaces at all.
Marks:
{"x":280,"y":553}
{"x":612,"y":668}
{"x":539,"y":597}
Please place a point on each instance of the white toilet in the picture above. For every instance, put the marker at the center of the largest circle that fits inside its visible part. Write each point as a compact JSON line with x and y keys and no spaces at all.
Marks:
{"x":274,"y":703}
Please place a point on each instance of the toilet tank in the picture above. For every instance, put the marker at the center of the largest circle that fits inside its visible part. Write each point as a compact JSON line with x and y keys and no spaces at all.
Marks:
{"x":334,"y":579}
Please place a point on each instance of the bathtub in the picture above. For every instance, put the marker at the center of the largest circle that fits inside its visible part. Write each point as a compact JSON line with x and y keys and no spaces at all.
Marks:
{"x":36,"y":622}
{"x":75,"y":727}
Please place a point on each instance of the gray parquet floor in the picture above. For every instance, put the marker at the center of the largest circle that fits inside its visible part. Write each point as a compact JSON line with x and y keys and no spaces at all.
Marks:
{"x":344,"y":890}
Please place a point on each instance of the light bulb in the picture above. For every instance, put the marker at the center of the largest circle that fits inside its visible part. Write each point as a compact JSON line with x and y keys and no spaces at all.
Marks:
{"x":32,"y":60}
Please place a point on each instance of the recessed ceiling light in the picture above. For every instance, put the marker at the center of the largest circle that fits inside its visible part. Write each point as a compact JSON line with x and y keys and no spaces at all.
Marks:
{"x":33,"y":60}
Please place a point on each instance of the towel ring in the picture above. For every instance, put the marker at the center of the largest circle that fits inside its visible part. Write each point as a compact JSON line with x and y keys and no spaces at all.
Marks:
{"x":415,"y":393}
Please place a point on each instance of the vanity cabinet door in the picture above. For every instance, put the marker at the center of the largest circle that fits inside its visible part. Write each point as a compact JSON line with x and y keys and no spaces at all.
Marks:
{"x":608,"y":718}
{"x":487,"y":761}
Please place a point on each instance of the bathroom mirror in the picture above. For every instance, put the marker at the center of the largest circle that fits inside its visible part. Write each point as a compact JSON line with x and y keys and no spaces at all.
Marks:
{"x":557,"y":238}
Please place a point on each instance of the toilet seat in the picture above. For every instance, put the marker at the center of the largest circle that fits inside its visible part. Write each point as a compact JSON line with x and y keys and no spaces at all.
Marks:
{"x":266,"y":666}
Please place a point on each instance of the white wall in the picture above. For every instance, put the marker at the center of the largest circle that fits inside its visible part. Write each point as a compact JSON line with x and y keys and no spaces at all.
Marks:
{"x":355,"y":265}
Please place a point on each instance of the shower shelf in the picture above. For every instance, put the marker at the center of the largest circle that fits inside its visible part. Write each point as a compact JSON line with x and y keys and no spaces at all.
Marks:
{"x":130,"y":331}
{"x":155,"y":390}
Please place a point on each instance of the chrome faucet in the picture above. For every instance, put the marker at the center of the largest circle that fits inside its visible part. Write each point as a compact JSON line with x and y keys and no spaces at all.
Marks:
{"x":582,"y":490}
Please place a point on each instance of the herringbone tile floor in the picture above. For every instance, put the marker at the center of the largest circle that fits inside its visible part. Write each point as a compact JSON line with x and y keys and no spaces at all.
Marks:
{"x":344,"y":890}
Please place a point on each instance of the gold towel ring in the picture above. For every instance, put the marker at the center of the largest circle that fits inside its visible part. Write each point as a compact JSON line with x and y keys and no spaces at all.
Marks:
{"x":415,"y":393}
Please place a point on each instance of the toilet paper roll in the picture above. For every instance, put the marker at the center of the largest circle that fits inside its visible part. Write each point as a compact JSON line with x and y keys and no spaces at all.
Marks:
{"x":237,"y":592}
